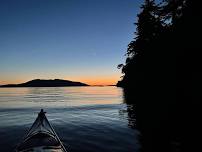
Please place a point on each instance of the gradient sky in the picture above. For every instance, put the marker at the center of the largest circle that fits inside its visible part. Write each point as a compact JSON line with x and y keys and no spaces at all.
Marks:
{"x":81,"y":40}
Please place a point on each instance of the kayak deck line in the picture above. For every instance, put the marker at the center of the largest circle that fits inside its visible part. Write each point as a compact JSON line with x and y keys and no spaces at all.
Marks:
{"x":41,"y":137}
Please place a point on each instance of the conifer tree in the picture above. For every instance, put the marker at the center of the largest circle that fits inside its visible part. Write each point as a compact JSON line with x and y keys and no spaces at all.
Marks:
{"x":148,"y":28}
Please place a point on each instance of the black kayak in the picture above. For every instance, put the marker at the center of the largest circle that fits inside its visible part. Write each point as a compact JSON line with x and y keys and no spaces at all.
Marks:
{"x":41,"y":137}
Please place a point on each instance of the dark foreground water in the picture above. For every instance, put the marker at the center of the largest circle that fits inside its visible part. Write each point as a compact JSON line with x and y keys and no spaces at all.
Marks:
{"x":87,"y":119}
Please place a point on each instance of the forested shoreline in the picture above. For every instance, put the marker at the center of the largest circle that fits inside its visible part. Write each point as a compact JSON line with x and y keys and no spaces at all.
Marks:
{"x":162,"y":74}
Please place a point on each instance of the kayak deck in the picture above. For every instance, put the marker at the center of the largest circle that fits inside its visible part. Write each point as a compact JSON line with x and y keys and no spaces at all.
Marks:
{"x":41,"y":137}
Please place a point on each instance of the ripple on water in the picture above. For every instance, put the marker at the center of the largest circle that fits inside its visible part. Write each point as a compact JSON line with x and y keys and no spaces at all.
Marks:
{"x":87,"y":119}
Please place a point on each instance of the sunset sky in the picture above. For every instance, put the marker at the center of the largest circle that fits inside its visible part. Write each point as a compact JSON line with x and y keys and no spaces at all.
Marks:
{"x":80,"y":40}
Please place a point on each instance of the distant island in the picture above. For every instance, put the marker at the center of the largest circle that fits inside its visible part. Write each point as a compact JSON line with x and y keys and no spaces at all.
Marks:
{"x":46,"y":83}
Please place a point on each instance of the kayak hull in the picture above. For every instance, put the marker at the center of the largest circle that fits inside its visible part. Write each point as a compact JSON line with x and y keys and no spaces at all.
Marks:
{"x":41,"y":137}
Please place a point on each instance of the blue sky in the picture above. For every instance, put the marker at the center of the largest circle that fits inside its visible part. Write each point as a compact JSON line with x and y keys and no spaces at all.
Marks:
{"x":82,"y":40}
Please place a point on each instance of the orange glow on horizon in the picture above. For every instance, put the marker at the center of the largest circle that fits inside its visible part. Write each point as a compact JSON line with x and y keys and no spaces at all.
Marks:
{"x":90,"y":80}
{"x":97,"y":80}
{"x":4,"y":82}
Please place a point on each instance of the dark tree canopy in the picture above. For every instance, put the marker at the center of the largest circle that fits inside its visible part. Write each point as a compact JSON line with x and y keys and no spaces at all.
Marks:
{"x":166,"y":33}
{"x":162,"y":74}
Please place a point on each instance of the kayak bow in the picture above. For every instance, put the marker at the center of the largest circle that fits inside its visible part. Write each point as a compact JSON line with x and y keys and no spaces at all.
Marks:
{"x":41,"y":137}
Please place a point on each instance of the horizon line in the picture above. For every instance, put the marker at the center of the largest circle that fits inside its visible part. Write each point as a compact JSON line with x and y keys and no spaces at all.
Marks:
{"x":112,"y":84}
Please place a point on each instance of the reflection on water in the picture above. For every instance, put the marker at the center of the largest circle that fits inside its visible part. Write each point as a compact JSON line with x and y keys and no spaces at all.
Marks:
{"x":91,"y":119}
{"x":59,"y":96}
{"x":158,"y":120}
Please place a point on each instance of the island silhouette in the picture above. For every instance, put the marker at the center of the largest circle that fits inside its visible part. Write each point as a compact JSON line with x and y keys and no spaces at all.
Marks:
{"x":47,"y":83}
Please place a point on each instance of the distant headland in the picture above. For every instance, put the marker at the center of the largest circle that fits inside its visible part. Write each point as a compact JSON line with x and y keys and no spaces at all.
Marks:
{"x":46,"y":83}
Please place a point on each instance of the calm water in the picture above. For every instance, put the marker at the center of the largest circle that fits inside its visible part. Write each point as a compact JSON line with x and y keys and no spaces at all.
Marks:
{"x":87,"y":119}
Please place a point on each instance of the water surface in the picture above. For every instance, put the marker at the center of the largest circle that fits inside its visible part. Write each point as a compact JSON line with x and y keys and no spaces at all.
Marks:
{"x":87,"y":119}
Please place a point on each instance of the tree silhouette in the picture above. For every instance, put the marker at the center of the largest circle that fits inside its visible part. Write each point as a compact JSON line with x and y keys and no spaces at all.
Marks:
{"x":149,"y":27}
{"x":162,"y":74}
